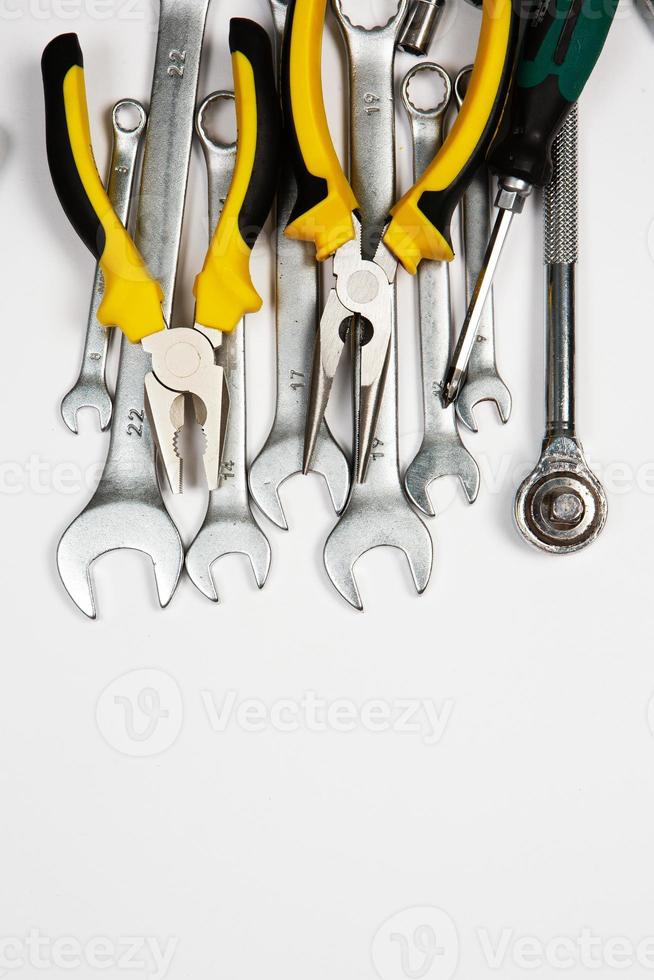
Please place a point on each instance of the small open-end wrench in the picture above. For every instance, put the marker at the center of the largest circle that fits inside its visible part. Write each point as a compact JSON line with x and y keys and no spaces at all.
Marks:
{"x":561,"y":507}
{"x":129,"y":119}
{"x":442,"y":452}
{"x":127,"y":510}
{"x":483,"y":382}
{"x":229,"y":526}
{"x":378,"y":513}
{"x":297,"y":306}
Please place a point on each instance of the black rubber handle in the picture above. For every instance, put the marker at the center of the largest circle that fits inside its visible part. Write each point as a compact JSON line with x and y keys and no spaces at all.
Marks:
{"x":562,"y":45}
{"x":60,"y":56}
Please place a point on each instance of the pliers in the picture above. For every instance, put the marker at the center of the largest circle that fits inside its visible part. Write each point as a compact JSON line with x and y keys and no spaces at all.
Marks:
{"x":326,"y":212}
{"x":183,"y":359}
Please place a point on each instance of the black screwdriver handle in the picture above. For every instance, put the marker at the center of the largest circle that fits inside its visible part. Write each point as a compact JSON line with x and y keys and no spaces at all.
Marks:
{"x":562,"y":44}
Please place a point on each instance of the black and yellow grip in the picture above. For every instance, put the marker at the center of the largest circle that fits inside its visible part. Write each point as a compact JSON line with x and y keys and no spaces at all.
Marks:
{"x":132,"y":298}
{"x":325,"y":201}
{"x":224,"y":292}
{"x":421,"y":221}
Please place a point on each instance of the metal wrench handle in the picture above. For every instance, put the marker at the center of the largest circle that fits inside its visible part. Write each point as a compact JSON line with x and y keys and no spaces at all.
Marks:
{"x":233,"y":489}
{"x":90,"y":389}
{"x":297,"y":317}
{"x":371,"y":54}
{"x":561,"y":250}
{"x":483,"y":382}
{"x":433,"y":282}
{"x":130,"y":466}
{"x":127,"y":509}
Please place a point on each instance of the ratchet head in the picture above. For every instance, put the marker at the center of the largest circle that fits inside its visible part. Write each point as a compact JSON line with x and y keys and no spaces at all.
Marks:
{"x":561,"y":507}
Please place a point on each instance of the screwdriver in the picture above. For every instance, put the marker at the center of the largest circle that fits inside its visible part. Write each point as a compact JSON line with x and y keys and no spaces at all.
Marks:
{"x":562,"y":44}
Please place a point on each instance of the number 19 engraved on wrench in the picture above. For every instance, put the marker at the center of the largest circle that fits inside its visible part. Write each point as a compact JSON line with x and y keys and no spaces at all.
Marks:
{"x":127,"y":510}
{"x":378,"y":513}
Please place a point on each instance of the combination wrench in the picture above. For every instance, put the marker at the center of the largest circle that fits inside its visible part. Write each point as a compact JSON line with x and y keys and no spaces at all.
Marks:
{"x":127,"y":509}
{"x":378,"y":513}
{"x":229,"y":526}
{"x":90,"y":389}
{"x":442,"y":452}
{"x":483,"y":381}
{"x":561,"y":507}
{"x":297,"y":315}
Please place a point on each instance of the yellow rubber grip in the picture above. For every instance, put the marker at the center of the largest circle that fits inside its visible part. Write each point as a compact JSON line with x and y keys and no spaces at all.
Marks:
{"x":132,"y":298}
{"x":323,"y":212}
{"x":224,"y":291}
{"x":420,"y":226}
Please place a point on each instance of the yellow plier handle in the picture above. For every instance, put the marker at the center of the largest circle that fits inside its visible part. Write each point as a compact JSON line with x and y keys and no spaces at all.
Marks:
{"x":421,"y":220}
{"x":224,"y":292}
{"x":132,"y":298}
{"x":325,"y":201}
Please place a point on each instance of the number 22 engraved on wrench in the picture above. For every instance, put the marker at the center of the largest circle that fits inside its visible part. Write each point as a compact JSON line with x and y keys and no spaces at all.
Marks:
{"x":177,"y":63}
{"x":133,"y":429}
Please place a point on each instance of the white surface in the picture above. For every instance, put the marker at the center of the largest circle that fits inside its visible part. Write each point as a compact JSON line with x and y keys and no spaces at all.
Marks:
{"x":283,"y":853}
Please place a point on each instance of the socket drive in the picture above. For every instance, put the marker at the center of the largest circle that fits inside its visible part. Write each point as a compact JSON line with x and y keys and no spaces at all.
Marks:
{"x":420,"y":26}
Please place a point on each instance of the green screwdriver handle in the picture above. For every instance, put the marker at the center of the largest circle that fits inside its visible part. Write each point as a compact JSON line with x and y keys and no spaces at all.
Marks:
{"x":562,"y":45}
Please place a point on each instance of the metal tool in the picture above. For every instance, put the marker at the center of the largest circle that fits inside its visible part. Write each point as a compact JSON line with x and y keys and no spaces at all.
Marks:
{"x":297,"y":316}
{"x":129,"y":119}
{"x":378,"y":513}
{"x":183,"y":360}
{"x":326,"y":212}
{"x":127,"y":510}
{"x":442,"y":452}
{"x":420,"y":26}
{"x":561,"y":507}
{"x":561,"y":47}
{"x":229,"y":526}
{"x":482,"y":381}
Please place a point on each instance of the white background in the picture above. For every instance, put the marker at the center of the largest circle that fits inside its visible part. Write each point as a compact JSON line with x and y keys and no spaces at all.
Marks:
{"x":284,"y":853}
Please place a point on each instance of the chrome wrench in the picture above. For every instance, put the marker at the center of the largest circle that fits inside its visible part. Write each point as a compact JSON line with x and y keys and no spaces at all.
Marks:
{"x":127,"y":510}
{"x":442,"y":452}
{"x":229,"y":526}
{"x":561,"y":507}
{"x":483,"y":381}
{"x":297,"y":302}
{"x":378,"y":513}
{"x":90,"y":389}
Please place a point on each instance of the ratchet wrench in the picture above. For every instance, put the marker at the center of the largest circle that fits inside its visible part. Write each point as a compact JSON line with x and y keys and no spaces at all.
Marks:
{"x":561,"y":507}
{"x":129,"y":119}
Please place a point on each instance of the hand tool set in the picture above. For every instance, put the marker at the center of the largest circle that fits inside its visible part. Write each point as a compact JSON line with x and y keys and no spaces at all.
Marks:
{"x":516,"y":117}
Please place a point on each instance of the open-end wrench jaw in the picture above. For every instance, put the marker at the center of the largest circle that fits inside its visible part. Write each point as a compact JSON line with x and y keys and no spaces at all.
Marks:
{"x":232,"y":536}
{"x":364,"y":528}
{"x":486,"y":386}
{"x":137,"y":523}
{"x":437,"y":458}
